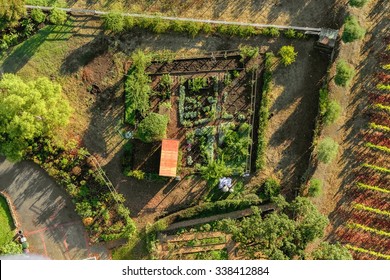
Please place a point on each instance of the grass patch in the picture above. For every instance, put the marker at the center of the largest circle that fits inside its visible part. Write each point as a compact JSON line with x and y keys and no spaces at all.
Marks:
{"x":6,"y":225}
{"x":40,"y":55}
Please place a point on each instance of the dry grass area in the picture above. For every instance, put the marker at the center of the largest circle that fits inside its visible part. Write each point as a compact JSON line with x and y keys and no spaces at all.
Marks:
{"x":298,"y":12}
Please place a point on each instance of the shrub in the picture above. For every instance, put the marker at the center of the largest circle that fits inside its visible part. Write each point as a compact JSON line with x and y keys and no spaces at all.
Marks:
{"x":248,"y":52}
{"x":333,"y":112}
{"x":193,"y":28}
{"x":327,"y":150}
{"x":84,"y":209}
{"x":344,"y":73}
{"x":137,"y":174}
{"x":152,"y":128}
{"x":57,"y":17}
{"x":357,"y":3}
{"x":271,"y":188}
{"x":38,"y":16}
{"x":315,"y":187}
{"x":196,"y":84}
{"x":352,"y":30}
{"x":115,"y":22}
{"x":288,"y":55}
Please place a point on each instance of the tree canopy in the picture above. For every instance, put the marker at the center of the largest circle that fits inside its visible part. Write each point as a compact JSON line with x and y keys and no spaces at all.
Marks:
{"x":11,"y":12}
{"x":28,"y":110}
{"x":152,"y":128}
{"x":327,"y":150}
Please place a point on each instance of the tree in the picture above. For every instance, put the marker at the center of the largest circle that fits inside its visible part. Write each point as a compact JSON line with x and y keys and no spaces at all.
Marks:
{"x":28,"y":110}
{"x":344,"y":73}
{"x":11,"y":12}
{"x":333,"y":112}
{"x":310,"y":222}
{"x":328,"y":251}
{"x":357,"y":3}
{"x":288,"y":55}
{"x":57,"y":16}
{"x":11,"y":248}
{"x":114,"y":21}
{"x":327,"y":150}
{"x":352,"y":30}
{"x":38,"y":16}
{"x":152,"y":128}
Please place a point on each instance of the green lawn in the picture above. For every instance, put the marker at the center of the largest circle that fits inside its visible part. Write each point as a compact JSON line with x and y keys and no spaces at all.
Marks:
{"x":6,"y":225}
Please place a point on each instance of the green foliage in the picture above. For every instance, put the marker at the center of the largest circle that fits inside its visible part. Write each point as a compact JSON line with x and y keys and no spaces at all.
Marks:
{"x":377,"y":147}
{"x":379,"y":127}
{"x":193,"y":28}
{"x":137,"y":87}
{"x":288,"y":55}
{"x":84,"y":209}
{"x":344,"y":73}
{"x":197,"y":83}
{"x":327,"y":251}
{"x":6,"y":224}
{"x":137,"y":174}
{"x":38,"y":15}
{"x":115,"y":22}
{"x":376,"y":168}
{"x":327,"y":150}
{"x":11,"y":12}
{"x":264,"y":111}
{"x":333,"y":112}
{"x":152,"y":128}
{"x":28,"y":111}
{"x":383,"y":87}
{"x":214,"y":171}
{"x":57,"y":16}
{"x":166,"y":81}
{"x":352,"y":30}
{"x":248,"y":52}
{"x":271,"y":188}
{"x":357,"y":3}
{"x":8,"y":40}
{"x":315,"y":187}
{"x":11,"y":248}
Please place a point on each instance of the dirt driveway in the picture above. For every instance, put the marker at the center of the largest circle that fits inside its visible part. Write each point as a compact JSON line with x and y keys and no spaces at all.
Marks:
{"x":46,"y":214}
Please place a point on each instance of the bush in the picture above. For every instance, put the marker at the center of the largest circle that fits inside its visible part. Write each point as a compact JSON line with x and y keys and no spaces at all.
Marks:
{"x":352,"y":30}
{"x":288,"y":55}
{"x":357,"y":3}
{"x":248,"y":52}
{"x":137,"y":174}
{"x":271,"y":188}
{"x":152,"y":128}
{"x":327,"y":150}
{"x":315,"y":187}
{"x":344,"y":73}
{"x":58,"y":17}
{"x":115,"y":22}
{"x":38,"y":16}
{"x":333,"y":112}
{"x":84,"y":209}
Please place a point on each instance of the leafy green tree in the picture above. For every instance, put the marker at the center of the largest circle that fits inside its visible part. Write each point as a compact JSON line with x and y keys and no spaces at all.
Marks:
{"x":288,"y":55}
{"x":344,"y":73}
{"x":310,"y":222}
{"x":152,"y":128}
{"x":357,"y":3}
{"x":28,"y":110}
{"x":333,"y":112}
{"x":11,"y":12}
{"x":352,"y":30}
{"x":327,"y":251}
{"x":57,"y":16}
{"x":115,"y":22}
{"x":38,"y":16}
{"x":327,"y":150}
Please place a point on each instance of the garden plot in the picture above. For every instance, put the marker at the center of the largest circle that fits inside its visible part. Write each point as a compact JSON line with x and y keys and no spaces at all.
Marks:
{"x":200,"y":245}
{"x":210,"y":103}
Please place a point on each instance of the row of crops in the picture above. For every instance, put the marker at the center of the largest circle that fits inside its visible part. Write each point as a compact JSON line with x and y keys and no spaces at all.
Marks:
{"x":368,"y":229}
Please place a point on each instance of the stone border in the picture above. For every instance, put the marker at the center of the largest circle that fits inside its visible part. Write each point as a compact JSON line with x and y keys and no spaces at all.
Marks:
{"x":11,"y":210}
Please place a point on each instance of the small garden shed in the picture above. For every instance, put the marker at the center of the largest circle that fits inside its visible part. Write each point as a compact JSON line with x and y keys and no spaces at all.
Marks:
{"x":169,"y":157}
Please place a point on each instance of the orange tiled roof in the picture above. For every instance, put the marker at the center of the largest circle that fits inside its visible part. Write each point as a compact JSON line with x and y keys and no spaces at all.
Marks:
{"x":169,"y":156}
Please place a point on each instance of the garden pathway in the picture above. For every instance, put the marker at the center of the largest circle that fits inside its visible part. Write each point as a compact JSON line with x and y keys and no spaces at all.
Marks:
{"x":46,"y":213}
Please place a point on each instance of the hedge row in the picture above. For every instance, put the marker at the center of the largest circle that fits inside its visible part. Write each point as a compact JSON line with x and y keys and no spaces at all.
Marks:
{"x":264,"y":111}
{"x":117,"y":23}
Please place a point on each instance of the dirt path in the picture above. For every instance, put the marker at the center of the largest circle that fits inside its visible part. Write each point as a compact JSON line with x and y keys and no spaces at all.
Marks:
{"x":45,"y":213}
